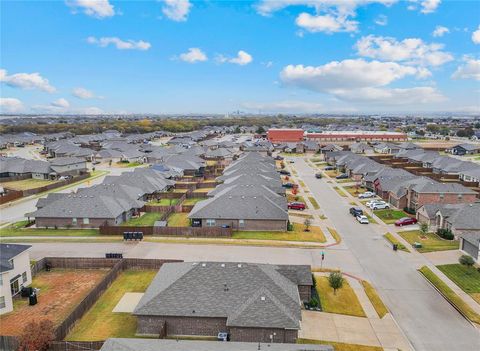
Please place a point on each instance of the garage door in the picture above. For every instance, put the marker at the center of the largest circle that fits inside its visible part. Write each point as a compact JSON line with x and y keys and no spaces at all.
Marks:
{"x":469,"y":248}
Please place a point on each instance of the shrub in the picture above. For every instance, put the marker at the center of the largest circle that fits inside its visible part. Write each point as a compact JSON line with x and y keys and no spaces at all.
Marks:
{"x":409,"y":210}
{"x":313,"y":302}
{"x":289,"y":226}
{"x":445,"y":234}
{"x":466,"y":260}
{"x":335,"y":279}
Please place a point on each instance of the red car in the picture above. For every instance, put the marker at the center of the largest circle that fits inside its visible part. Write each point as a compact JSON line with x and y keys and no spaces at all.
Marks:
{"x":405,"y":221}
{"x":296,"y":206}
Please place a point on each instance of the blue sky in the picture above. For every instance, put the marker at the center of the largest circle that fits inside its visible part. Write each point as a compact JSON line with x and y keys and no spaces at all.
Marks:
{"x":180,"y":56}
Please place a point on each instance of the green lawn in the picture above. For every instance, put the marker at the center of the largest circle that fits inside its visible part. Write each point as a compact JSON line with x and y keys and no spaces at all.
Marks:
{"x":100,"y":323}
{"x":297,"y":234}
{"x":467,"y":278}
{"x":375,"y":299}
{"x":163,"y":202}
{"x":203,"y":190}
{"x":128,"y":164}
{"x":450,"y":295}
{"x":192,"y":201}
{"x":27,"y":184}
{"x":147,"y":220}
{"x":339,"y":191}
{"x":394,"y":240}
{"x":178,"y":220}
{"x":332,"y":173}
{"x":390,"y":216}
{"x":430,"y":242}
{"x":353,"y":190}
{"x":17,"y":229}
{"x":344,"y":302}
{"x":334,"y":234}
{"x":340,"y":346}
{"x":314,"y":202}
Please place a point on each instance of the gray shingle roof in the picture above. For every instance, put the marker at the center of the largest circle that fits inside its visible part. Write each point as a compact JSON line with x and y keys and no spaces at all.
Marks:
{"x":247,"y":294}
{"x":9,"y":251}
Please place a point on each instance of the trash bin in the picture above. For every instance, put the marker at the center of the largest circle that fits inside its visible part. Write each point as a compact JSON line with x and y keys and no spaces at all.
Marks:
{"x":32,"y":299}
{"x":395,"y":247}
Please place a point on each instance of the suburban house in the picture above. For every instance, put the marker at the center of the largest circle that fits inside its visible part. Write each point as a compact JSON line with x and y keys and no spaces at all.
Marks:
{"x":14,"y":273}
{"x":251,"y":302}
{"x":69,"y":165}
{"x":361,"y":148}
{"x":18,"y":167}
{"x":126,"y":344}
{"x":465,"y":149}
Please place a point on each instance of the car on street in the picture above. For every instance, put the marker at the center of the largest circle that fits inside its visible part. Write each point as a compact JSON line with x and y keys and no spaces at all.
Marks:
{"x":405,"y":221}
{"x":291,"y":161}
{"x":289,"y":185}
{"x":284,"y":172}
{"x":318,"y":175}
{"x":356,"y":211}
{"x":329,"y":168}
{"x":380,"y":206}
{"x":366,"y":195}
{"x":362,"y":219}
{"x":342,"y":176}
{"x":296,"y":206}
{"x":279,"y":158}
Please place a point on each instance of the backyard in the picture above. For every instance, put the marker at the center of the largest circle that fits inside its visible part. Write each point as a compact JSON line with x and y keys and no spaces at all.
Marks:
{"x":146,"y":220}
{"x":390,"y":216}
{"x":100,"y":323}
{"x":192,"y":201}
{"x":467,"y":278}
{"x":203,"y":190}
{"x":18,"y":229}
{"x":297,"y":234}
{"x":163,"y":202}
{"x":344,"y":302}
{"x":60,"y":292}
{"x":27,"y":184}
{"x":430,"y":241}
{"x":178,"y":220}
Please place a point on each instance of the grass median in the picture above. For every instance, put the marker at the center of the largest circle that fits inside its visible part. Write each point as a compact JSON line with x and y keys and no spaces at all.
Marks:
{"x":375,"y":299}
{"x":340,"y":346}
{"x":314,"y":202}
{"x":393,"y":240}
{"x":297,"y":234}
{"x":339,"y":191}
{"x":450,"y":295}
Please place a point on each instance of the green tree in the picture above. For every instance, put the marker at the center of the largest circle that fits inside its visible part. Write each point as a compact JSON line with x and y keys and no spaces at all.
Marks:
{"x":424,"y":228}
{"x":260,"y":130}
{"x":335,"y":279}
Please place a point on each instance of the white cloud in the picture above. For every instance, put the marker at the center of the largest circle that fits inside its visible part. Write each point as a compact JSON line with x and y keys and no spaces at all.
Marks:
{"x":193,"y":55}
{"x":410,"y":50}
{"x":10,"y":105}
{"x":381,"y":20}
{"x":82,"y":93}
{"x":242,"y":58}
{"x":469,"y":70}
{"x":429,"y":6}
{"x":119,"y":43}
{"x":347,"y":74}
{"x":284,"y":106}
{"x":360,"y":80}
{"x":330,"y":15}
{"x":325,"y":23}
{"x":95,"y":8}
{"x":476,"y":36}
{"x":385,"y":96}
{"x":61,"y":103}
{"x":440,"y":31}
{"x":176,"y":10}
{"x":26,"y":81}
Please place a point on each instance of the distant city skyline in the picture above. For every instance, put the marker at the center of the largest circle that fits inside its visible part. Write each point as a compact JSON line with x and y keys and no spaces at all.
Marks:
{"x":286,"y":56}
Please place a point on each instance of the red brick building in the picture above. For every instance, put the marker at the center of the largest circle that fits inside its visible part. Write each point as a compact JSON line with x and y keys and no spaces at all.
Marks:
{"x":285,"y":135}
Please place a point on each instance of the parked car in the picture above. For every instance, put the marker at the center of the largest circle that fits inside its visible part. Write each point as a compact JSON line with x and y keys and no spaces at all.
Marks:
{"x":366,"y":195}
{"x":405,"y":221}
{"x":296,"y":206}
{"x":380,"y":206}
{"x":278,"y":158}
{"x":291,"y":161}
{"x":356,"y":211}
{"x":362,"y":219}
{"x":342,"y":176}
{"x":285,"y":172}
{"x":288,"y":185}
{"x":329,"y":168}
{"x":371,"y":202}
{"x":318,"y":175}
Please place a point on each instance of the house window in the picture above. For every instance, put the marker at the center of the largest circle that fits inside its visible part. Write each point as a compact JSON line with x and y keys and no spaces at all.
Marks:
{"x":74,"y":221}
{"x":12,"y":263}
{"x":24,"y":277}
{"x":2,"y":302}
{"x":86,"y":221}
{"x":241,"y":223}
{"x":210,"y":222}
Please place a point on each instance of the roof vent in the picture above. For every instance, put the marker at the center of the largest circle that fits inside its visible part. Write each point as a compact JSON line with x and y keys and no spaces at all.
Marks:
{"x":262,"y":298}
{"x":194,"y":263}
{"x":239,"y":265}
{"x":204,"y":264}
{"x":223,"y":265}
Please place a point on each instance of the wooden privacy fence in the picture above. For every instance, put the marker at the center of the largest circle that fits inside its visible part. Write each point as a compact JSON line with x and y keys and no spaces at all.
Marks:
{"x":8,"y":343}
{"x":204,"y":232}
{"x":10,"y":196}
{"x":55,"y":185}
{"x":76,"y":345}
